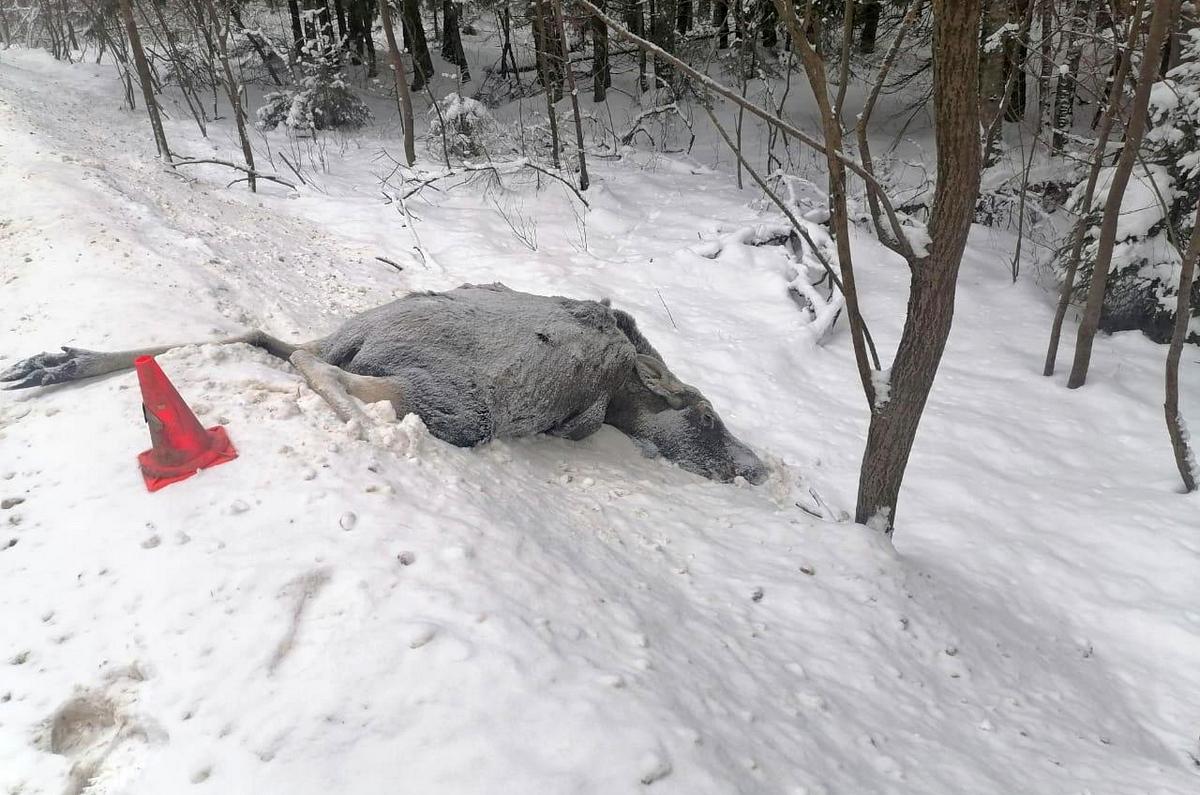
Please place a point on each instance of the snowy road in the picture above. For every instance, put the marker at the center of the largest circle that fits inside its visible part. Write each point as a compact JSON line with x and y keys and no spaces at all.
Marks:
{"x":327,"y":615}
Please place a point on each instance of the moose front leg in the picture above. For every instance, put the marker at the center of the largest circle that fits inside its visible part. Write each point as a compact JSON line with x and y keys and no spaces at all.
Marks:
{"x":72,"y":364}
{"x":76,"y":364}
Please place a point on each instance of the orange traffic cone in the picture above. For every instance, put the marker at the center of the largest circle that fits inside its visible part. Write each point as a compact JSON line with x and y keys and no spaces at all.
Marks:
{"x":182,"y":447}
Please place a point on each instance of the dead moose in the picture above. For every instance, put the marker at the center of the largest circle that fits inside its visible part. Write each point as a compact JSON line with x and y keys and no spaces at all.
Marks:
{"x":484,"y":362}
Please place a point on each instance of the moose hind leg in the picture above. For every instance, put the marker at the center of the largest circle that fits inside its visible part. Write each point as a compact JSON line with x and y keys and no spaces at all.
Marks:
{"x":341,"y":389}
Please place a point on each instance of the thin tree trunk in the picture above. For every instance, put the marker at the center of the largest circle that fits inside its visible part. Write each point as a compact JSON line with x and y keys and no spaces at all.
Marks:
{"x":1160,"y":25}
{"x":220,"y":34}
{"x":415,"y":43}
{"x":1016,"y":52}
{"x":255,"y":42}
{"x":894,"y":421}
{"x":720,"y":22}
{"x":870,"y":26}
{"x":339,"y":12}
{"x":1045,"y":59}
{"x":814,"y":68}
{"x":452,"y":48}
{"x":403,"y":97}
{"x":864,"y":119}
{"x":297,"y":28}
{"x":143,"y":70}
{"x":601,"y":73}
{"x":662,"y":33}
{"x":539,"y":30}
{"x":570,"y":72}
{"x":769,"y":20}
{"x":1184,"y":459}
{"x":844,"y":66}
{"x":1103,"y":134}
{"x":1064,"y":92}
{"x":507,"y":48}
{"x":992,"y":74}
{"x":683,"y":16}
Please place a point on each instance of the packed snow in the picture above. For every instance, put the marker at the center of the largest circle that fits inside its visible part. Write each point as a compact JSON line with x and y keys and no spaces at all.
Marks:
{"x":326,"y":614}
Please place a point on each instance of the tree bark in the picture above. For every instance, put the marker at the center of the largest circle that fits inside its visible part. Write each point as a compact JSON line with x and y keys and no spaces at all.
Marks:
{"x":220,"y":33}
{"x":720,"y":22}
{"x":814,"y":67}
{"x":1064,"y":92}
{"x":570,"y":73}
{"x":1160,"y":25}
{"x":1045,"y":58}
{"x":992,"y":73}
{"x":1103,"y":133}
{"x":415,"y":43}
{"x":143,"y":70}
{"x":894,"y":421}
{"x":601,"y":72}
{"x":870,"y":26}
{"x":540,"y":37}
{"x":403,"y":97}
{"x":452,"y":48}
{"x":662,"y":33}
{"x":1184,"y":459}
{"x":297,"y":28}
{"x":1016,"y":52}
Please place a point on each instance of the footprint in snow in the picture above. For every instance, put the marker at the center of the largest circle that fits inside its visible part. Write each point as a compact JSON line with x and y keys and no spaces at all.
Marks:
{"x":99,"y":732}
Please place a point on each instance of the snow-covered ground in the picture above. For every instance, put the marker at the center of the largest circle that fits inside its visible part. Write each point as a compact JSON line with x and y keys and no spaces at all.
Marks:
{"x":543,"y":616}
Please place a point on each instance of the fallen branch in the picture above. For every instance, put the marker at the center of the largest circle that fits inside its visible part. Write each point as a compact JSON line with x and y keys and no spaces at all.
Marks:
{"x":499,"y":169}
{"x":249,"y":172}
{"x":394,"y":264}
{"x":636,"y":126}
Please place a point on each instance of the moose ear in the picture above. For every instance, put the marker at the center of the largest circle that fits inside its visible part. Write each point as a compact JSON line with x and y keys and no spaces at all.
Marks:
{"x":655,"y":376}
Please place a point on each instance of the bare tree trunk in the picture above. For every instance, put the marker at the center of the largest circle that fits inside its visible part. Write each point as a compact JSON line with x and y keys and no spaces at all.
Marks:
{"x":870,"y":26}
{"x":256,"y":42}
{"x":601,"y":72}
{"x":992,"y":74}
{"x":220,"y":36}
{"x":662,"y":33}
{"x":864,"y":119}
{"x":570,"y":72}
{"x":768,"y":19}
{"x":539,"y":30}
{"x":403,"y":97}
{"x":683,"y":16}
{"x":297,"y":28}
{"x":546,"y":53}
{"x":506,"y":48}
{"x":720,"y":22}
{"x":339,"y":12}
{"x":415,"y":43}
{"x":1184,"y":459}
{"x":894,"y":421}
{"x":1064,"y":93}
{"x":637,"y":24}
{"x":1045,"y":58}
{"x":143,"y":70}
{"x":1160,"y":24}
{"x":1016,"y":52}
{"x":1107,"y":119}
{"x":452,"y":48}
{"x":844,"y":65}
{"x":814,"y":67}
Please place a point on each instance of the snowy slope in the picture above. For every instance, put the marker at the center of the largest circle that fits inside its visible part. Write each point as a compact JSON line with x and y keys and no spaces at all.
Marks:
{"x":328,"y":615}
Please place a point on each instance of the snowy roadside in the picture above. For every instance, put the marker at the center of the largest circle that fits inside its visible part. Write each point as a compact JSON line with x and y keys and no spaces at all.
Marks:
{"x":547,"y":616}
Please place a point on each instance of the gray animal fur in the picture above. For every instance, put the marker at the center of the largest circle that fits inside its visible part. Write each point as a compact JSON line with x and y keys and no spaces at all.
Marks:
{"x":482,"y":362}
